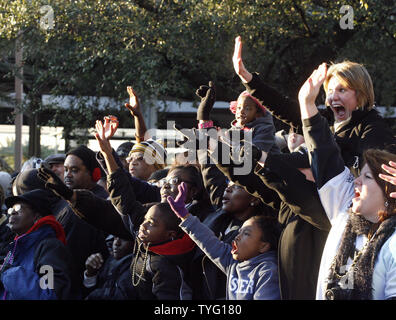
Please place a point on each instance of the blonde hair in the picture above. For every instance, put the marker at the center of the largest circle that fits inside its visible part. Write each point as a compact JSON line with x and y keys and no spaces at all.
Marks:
{"x":354,"y":76}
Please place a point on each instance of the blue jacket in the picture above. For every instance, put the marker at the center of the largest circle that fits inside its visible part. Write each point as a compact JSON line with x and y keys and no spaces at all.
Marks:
{"x":38,"y":265}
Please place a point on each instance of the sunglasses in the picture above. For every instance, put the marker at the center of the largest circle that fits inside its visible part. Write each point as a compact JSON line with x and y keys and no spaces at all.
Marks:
{"x":16,"y":208}
{"x":172,"y":181}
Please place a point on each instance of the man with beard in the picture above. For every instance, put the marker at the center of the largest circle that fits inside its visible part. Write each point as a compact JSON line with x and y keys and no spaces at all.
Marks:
{"x":82,"y":171}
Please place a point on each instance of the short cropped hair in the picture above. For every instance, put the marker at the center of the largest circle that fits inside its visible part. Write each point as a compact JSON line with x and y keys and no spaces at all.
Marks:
{"x":270,"y":228}
{"x":169,"y":218}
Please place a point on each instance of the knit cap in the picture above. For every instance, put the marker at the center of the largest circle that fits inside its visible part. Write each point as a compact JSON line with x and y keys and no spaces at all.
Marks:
{"x":88,"y":157}
{"x":154,"y":152}
{"x":124,"y":149}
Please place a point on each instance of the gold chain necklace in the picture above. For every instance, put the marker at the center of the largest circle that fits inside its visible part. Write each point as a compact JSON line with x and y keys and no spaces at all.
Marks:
{"x":140,"y":276}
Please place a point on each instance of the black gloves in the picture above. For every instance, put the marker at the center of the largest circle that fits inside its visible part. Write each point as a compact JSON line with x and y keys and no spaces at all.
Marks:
{"x":191,"y":135}
{"x":208,"y":98}
{"x":53,"y":183}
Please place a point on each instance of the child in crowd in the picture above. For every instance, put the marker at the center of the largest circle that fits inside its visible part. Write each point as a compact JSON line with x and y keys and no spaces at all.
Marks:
{"x":250,"y":263}
{"x":250,"y":117}
{"x":161,"y":254}
{"x":110,"y":279}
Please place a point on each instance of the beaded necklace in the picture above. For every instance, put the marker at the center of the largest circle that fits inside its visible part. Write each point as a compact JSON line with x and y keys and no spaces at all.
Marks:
{"x":140,"y":276}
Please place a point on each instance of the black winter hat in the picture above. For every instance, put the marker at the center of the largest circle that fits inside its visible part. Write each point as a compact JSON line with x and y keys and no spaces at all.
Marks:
{"x":37,"y":199}
{"x":55,"y":158}
{"x":158,"y":175}
{"x":88,"y":157}
{"x":27,"y":180}
{"x":124,"y":149}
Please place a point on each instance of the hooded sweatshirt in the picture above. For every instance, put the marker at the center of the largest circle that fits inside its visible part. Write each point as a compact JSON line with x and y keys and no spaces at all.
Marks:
{"x":38,"y":265}
{"x":253,"y":279}
{"x":263,"y":132}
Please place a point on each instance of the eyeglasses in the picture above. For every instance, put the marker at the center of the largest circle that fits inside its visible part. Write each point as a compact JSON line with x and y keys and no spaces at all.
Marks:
{"x":16,"y":208}
{"x":172,"y":181}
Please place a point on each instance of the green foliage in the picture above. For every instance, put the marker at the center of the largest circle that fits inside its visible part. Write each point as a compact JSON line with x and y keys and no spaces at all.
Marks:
{"x":7,"y":154}
{"x":168,"y":48}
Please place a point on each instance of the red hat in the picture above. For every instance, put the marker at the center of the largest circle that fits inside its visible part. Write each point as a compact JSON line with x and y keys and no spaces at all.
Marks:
{"x":233,"y":104}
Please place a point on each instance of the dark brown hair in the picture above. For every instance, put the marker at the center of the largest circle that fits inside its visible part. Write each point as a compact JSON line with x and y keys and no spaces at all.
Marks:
{"x":374,"y":158}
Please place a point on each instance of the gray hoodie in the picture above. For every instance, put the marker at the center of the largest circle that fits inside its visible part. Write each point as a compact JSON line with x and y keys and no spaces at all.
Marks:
{"x":253,"y":279}
{"x":263,"y":133}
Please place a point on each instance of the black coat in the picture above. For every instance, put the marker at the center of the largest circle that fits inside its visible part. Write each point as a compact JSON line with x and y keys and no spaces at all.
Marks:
{"x":366,"y":129}
{"x":114,"y":281}
{"x":304,"y":221}
{"x":122,"y":217}
{"x":82,"y":239}
{"x":166,"y":276}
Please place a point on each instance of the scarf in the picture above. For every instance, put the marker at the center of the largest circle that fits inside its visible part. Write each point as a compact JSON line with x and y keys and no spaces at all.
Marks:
{"x":364,"y":265}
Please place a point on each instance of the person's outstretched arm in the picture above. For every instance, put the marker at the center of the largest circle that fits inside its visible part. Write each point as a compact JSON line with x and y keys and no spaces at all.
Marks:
{"x":218,"y":251}
{"x":281,"y":107}
{"x":333,"y":179}
{"x":134,"y":107}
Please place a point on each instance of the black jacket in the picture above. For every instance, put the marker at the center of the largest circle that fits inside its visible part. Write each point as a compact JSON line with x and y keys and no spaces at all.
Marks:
{"x":166,"y":270}
{"x":164,"y":273}
{"x":366,"y":129}
{"x":305,"y":224}
{"x":83,"y":240}
{"x":114,"y":281}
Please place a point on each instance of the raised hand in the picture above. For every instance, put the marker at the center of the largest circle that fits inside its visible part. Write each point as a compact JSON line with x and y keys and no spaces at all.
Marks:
{"x":105,"y":131}
{"x":178,"y":204}
{"x":391,"y":178}
{"x":310,"y":89}
{"x":54,"y":183}
{"x":239,"y":67}
{"x":208,"y":98}
{"x":110,"y":126}
{"x":133,"y":106}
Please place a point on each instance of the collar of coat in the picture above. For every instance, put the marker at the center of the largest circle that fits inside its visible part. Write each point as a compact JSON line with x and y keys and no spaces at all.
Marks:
{"x":173,"y":247}
{"x":50,"y":221}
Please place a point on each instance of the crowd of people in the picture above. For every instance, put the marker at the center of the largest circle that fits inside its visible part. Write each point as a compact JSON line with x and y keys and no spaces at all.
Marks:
{"x":249,"y":217}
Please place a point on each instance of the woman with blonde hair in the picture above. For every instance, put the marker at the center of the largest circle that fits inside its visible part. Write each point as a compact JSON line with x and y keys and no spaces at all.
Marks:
{"x":359,"y":257}
{"x":356,"y":126}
